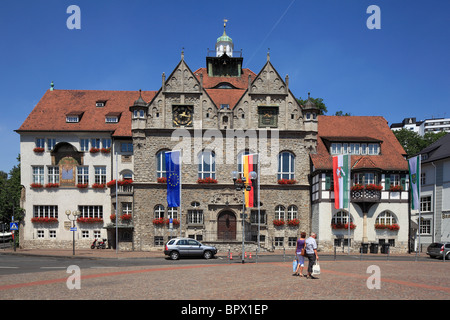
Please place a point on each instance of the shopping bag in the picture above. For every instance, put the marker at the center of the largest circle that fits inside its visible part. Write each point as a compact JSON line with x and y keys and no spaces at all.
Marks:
{"x":294,"y":265}
{"x":316,"y":269}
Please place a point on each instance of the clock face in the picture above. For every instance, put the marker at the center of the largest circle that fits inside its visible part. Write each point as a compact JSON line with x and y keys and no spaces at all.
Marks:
{"x":182,"y":115}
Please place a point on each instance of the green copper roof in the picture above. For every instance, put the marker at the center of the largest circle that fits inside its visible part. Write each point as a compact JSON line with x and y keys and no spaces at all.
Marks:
{"x":224,"y":38}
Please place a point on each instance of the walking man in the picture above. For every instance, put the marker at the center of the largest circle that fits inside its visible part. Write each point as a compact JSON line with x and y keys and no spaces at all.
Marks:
{"x":311,"y":253}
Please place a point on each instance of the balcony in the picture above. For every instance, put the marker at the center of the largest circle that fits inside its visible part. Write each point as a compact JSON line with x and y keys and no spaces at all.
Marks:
{"x":366,"y":195}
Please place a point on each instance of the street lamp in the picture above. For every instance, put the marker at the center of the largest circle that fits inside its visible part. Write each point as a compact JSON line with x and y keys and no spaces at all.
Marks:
{"x":241,"y":184}
{"x":75,"y":214}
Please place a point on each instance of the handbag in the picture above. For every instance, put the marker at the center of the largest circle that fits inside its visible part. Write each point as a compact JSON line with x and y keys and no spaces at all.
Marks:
{"x":294,"y":265}
{"x":303,"y":252}
{"x":316,"y":269}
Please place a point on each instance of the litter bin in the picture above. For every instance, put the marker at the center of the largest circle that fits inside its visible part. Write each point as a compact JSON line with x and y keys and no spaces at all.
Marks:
{"x":374,"y":247}
{"x":385,"y":248}
{"x":364,"y":247}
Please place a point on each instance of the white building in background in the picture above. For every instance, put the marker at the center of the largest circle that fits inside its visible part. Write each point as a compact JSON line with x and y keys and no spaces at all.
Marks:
{"x":435,"y":193}
{"x":424,"y":126}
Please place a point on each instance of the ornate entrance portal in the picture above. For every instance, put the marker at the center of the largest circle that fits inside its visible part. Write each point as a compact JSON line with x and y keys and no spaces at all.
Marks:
{"x":226,"y":226}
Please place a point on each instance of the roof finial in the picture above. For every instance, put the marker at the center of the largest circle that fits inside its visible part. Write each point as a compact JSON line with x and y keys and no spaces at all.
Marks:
{"x":52,"y":86}
{"x":182,"y":53}
{"x":224,"y":24}
{"x":268,"y":54}
{"x":308,"y":95}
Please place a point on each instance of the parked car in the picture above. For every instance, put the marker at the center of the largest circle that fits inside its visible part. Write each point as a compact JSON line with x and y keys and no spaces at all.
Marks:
{"x":185,"y":247}
{"x":436,"y":249}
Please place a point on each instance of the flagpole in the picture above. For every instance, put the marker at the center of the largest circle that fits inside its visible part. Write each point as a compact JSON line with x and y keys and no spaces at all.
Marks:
{"x":419,"y":167}
{"x":181,"y":218}
{"x":349,"y":200}
{"x":259,"y":210}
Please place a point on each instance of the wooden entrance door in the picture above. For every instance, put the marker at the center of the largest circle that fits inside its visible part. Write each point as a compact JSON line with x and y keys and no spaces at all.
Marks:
{"x":226,"y":226}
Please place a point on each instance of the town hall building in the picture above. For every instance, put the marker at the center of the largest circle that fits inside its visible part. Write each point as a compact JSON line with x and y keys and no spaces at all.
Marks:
{"x":95,"y":160}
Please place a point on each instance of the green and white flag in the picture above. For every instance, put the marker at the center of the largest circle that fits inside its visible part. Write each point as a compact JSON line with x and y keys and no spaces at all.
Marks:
{"x":414,"y":178}
{"x":341,"y":176}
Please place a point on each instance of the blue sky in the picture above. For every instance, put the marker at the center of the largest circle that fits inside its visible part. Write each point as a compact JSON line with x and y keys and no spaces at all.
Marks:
{"x":401,"y":70}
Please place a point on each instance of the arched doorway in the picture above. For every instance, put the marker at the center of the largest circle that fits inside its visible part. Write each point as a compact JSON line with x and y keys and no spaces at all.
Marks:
{"x":226,"y":226}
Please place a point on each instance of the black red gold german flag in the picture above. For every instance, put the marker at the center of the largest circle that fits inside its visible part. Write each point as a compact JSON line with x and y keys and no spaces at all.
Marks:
{"x":251,"y":164}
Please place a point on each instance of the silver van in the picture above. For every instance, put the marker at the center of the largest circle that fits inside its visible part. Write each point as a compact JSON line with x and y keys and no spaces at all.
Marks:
{"x":185,"y":247}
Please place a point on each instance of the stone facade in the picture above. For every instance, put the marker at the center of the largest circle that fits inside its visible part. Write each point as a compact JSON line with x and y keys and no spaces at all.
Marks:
{"x":266,"y":119}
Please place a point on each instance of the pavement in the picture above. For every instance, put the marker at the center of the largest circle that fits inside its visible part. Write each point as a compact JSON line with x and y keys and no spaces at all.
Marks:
{"x":250,"y":283}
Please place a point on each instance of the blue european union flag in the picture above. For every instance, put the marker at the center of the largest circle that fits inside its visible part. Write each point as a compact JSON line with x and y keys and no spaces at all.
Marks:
{"x":173,"y":178}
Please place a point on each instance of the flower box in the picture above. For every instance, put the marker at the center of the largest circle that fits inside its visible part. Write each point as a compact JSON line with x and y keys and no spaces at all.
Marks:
{"x":105,"y":150}
{"x":126,"y":217}
{"x":126,"y":182}
{"x":94,"y":150}
{"x":82,"y":185}
{"x":52,"y":185}
{"x":161,"y":180}
{"x":36,"y":185}
{"x":392,"y":227}
{"x":112,"y":217}
{"x":175,"y":222}
{"x":293,"y":222}
{"x":337,"y":226}
{"x":44,"y":220}
{"x":396,"y":188}
{"x":38,"y":150}
{"x":287,"y":181}
{"x":98,"y":185}
{"x":158,"y":221}
{"x":206,"y":180}
{"x":90,"y":220}
{"x":357,"y":187}
{"x":374,"y":187}
{"x":278,"y":222}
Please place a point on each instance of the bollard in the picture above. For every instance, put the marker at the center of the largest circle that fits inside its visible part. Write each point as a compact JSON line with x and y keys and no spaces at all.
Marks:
{"x":334,"y":253}
{"x":250,"y":255}
{"x":284,"y":254}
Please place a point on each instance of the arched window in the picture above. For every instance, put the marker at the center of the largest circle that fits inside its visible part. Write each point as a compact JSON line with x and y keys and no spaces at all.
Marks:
{"x":292,"y":213}
{"x":386,"y":218}
{"x":159,"y":211}
{"x":127,"y":175}
{"x":206,"y":165}
{"x":286,"y":165}
{"x":340,"y":217}
{"x":161,"y":164}
{"x":279,"y":212}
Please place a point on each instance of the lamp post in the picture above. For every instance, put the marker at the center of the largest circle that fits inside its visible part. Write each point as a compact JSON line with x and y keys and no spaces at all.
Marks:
{"x":243,"y":185}
{"x":75,"y":214}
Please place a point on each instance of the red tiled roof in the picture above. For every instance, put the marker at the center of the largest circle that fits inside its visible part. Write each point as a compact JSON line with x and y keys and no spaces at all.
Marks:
{"x":51,"y":111}
{"x":238,"y":82}
{"x":225,"y":96}
{"x":359,"y":129}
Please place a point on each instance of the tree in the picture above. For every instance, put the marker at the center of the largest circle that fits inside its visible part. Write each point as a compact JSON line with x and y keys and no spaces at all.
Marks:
{"x":341,"y":113}
{"x":10,"y":192}
{"x":413,"y":143}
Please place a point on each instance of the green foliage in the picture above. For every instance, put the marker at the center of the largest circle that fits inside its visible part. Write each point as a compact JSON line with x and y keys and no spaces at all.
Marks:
{"x":10,"y":190}
{"x":413,"y":143}
{"x":318,"y":102}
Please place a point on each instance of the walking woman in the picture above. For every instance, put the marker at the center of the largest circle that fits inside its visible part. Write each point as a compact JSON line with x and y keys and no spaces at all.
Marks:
{"x":298,"y":253}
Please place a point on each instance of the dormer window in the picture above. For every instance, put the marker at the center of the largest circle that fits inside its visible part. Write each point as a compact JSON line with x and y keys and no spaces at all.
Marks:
{"x":72,"y":119}
{"x":100,"y":103}
{"x":355,"y":148}
{"x":112,"y":117}
{"x":74,"y":116}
